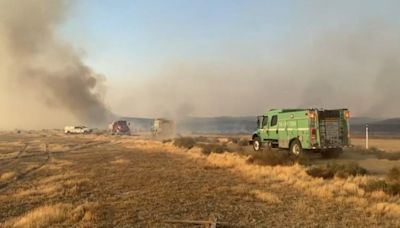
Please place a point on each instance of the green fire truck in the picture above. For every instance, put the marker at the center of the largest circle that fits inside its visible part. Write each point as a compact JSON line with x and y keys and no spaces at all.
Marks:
{"x":325,"y":131}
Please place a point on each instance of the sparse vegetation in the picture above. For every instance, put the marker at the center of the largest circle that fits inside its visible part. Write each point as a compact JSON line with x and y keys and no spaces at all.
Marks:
{"x":270,"y":158}
{"x":390,"y":185}
{"x":167,"y":141}
{"x":127,"y":175}
{"x":185,"y":142}
{"x":380,"y":154}
{"x":328,"y":171}
{"x":203,"y":139}
{"x":213,"y":147}
{"x":7,"y":176}
{"x":239,"y":141}
{"x":207,"y":146}
{"x":44,"y":216}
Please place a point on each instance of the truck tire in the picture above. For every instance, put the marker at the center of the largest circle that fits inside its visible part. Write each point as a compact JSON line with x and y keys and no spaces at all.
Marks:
{"x":296,"y":148}
{"x":257,"y":144}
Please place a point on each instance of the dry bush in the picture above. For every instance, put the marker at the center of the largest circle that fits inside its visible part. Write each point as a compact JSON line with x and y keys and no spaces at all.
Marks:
{"x":45,"y":216}
{"x":185,"y":142}
{"x":394,"y":174}
{"x":328,"y":171}
{"x":207,"y":145}
{"x":390,"y":156}
{"x":239,"y":141}
{"x":378,"y":153}
{"x":243,"y":142}
{"x":274,"y":158}
{"x":203,"y":139}
{"x":167,"y":141}
{"x":213,"y":147}
{"x":390,"y":185}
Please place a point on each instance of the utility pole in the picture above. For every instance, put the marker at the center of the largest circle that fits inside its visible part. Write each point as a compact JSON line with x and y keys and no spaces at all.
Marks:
{"x":366,"y":137}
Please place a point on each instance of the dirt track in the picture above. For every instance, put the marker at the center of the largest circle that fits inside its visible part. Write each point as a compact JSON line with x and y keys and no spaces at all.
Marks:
{"x":119,"y":182}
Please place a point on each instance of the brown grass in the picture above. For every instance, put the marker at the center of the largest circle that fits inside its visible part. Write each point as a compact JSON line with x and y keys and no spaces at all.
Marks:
{"x":44,"y":216}
{"x":345,"y":190}
{"x":85,"y":213}
{"x":120,"y":161}
{"x":208,"y":148}
{"x":274,"y":158}
{"x":389,"y":145}
{"x":239,"y":141}
{"x":329,"y":171}
{"x":390,"y":185}
{"x":266,"y":196}
{"x":7,"y":176}
{"x":377,"y":152}
{"x":140,"y":182}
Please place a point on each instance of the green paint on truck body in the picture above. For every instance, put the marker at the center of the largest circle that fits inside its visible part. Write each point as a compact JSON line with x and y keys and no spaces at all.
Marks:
{"x":313,"y":128}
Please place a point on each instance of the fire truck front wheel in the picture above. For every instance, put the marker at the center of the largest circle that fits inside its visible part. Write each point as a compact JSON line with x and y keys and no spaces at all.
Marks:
{"x":257,"y":144}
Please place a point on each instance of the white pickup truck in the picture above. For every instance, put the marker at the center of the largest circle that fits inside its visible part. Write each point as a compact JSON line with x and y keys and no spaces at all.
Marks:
{"x":76,"y":130}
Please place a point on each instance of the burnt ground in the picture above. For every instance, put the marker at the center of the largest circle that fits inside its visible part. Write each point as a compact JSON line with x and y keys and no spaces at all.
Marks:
{"x":124,"y":187}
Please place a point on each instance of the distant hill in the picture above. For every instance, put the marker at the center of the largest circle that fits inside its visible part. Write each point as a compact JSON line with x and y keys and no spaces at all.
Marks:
{"x":247,"y":124}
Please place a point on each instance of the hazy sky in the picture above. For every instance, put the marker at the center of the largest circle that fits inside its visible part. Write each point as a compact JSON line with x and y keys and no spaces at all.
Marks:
{"x":240,"y":48}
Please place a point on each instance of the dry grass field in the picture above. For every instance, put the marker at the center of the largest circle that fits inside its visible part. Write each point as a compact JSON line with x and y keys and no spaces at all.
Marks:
{"x":387,"y":144}
{"x":48,"y":179}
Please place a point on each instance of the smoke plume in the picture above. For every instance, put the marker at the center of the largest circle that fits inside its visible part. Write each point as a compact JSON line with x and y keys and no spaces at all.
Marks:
{"x":355,"y":67}
{"x":44,"y":82}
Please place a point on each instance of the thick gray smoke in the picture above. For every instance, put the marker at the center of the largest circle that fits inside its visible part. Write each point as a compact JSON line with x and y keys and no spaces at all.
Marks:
{"x":44,"y":82}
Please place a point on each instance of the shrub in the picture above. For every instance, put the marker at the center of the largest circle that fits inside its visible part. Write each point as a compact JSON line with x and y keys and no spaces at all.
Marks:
{"x":390,"y":156}
{"x":394,"y":174}
{"x":328,"y":171}
{"x":390,"y":188}
{"x":390,"y":185}
{"x":185,"y":142}
{"x":271,"y":158}
{"x":380,"y":154}
{"x":243,"y":142}
{"x":214,"y":147}
{"x":239,"y":141}
{"x":202,"y":139}
{"x":167,"y":141}
{"x":234,"y":140}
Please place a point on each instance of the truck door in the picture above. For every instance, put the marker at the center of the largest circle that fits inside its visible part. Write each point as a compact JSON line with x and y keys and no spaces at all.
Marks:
{"x":264,"y":128}
{"x":273,"y":128}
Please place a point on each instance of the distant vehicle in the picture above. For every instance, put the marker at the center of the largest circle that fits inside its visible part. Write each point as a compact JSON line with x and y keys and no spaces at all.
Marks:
{"x":76,"y":130}
{"x":120,"y":127}
{"x":163,"y":127}
{"x":325,"y":131}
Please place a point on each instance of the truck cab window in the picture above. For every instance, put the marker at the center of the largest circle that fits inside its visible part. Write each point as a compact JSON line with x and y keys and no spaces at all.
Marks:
{"x":265,"y":121}
{"x":274,"y":120}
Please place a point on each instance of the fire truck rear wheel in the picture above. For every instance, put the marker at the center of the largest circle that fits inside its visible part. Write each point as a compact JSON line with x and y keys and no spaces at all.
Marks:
{"x":296,"y":148}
